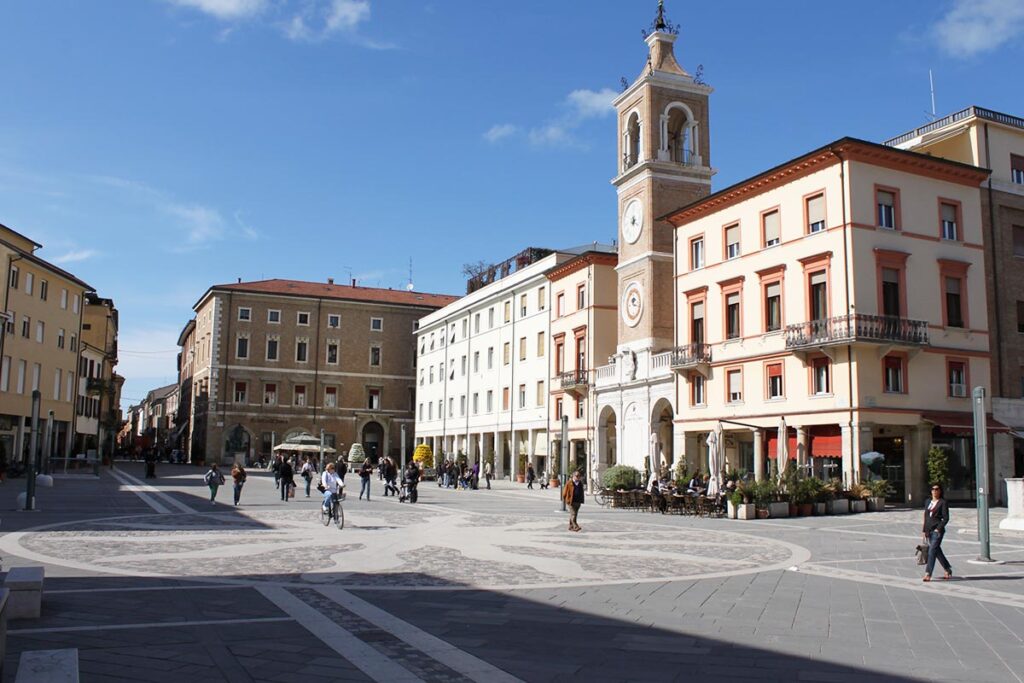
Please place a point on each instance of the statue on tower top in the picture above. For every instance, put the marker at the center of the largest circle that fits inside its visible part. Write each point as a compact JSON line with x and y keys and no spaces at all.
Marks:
{"x":661,"y":24}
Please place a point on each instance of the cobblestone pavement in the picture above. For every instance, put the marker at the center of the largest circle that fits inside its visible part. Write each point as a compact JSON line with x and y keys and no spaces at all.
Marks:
{"x":151,"y":582}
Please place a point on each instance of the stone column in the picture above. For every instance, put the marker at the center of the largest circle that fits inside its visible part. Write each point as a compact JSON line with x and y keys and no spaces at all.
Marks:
{"x":480,"y":450}
{"x":529,"y":448}
{"x":499,"y":461}
{"x":758,"y":455}
{"x":803,"y":445}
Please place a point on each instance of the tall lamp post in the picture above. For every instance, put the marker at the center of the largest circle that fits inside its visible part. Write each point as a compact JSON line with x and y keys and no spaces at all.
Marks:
{"x":564,"y":456}
{"x":981,"y":471}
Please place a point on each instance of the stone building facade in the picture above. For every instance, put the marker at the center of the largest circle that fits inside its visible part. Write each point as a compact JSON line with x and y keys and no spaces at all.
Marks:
{"x":264,"y":360}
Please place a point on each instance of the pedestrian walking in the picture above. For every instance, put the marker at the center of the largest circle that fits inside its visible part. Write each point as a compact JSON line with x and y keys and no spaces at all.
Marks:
{"x":239,"y":476}
{"x":365,"y":472}
{"x":530,"y":476}
{"x":341,"y":469}
{"x":488,"y":473}
{"x":573,"y":497}
{"x":287,"y":473}
{"x":214,"y":479}
{"x":308,"y":472}
{"x":936,"y":517}
{"x":150,"y":464}
{"x":276,"y":467}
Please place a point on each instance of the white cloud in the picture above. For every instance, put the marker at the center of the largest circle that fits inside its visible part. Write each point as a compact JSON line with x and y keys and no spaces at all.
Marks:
{"x":346,"y":15}
{"x":75,"y":255}
{"x":225,"y":10}
{"x":500,"y":131}
{"x":201,"y":223}
{"x":591,"y":103}
{"x":972,"y":27}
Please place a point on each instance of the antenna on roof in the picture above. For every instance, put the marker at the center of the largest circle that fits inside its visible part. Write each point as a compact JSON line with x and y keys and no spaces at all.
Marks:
{"x":408,"y":285}
{"x":931,"y":86}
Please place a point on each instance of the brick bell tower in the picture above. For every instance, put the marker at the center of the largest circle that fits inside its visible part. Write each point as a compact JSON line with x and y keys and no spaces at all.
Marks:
{"x":664,"y":162}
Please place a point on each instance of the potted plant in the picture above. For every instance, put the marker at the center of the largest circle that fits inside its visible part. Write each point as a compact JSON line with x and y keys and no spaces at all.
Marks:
{"x":521,"y":468}
{"x":553,"y":480}
{"x":858,"y":495}
{"x":838,"y":503}
{"x":763,"y":492}
{"x":802,"y":497}
{"x":822,"y":498}
{"x":880,"y":489}
{"x":356,"y":454}
{"x":620,"y":478}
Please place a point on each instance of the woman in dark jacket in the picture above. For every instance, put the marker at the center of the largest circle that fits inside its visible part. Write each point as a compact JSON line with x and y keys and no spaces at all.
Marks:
{"x":936,"y":517}
{"x":287,"y":473}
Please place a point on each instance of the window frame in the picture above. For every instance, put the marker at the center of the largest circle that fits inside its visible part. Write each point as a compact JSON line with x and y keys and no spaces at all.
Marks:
{"x":1016,"y":169}
{"x":703,"y":252}
{"x":966,"y":366}
{"x":729,"y":400}
{"x":807,"y":198}
{"x":238,"y":343}
{"x":244,"y":392}
{"x":813,"y":363}
{"x":725,"y":241}
{"x":277,"y":348}
{"x":696,"y":379}
{"x":958,"y":217}
{"x":380,"y":325}
{"x":897,"y":219}
{"x":893,"y":260}
{"x":769,"y":277}
{"x":903,"y":359}
{"x":333,"y":321}
{"x":777,"y":210}
{"x":957,"y":270}
{"x":769,"y":367}
{"x":728,"y":288}
{"x":248,"y":314}
{"x":298,"y":318}
{"x":270,"y":316}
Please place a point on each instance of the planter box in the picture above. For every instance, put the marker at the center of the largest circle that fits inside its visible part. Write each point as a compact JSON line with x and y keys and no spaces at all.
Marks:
{"x":730,"y":510}
{"x":840,"y":506}
{"x":806,"y":509}
{"x":761,"y":513}
{"x":819,"y":509}
{"x":745,"y":511}
{"x":858,"y":506}
{"x":778,"y":510}
{"x":876,"y":504}
{"x":520,"y":478}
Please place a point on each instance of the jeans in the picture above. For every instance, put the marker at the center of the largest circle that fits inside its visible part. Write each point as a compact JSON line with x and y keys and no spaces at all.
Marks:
{"x":328,"y":499}
{"x":935,"y":553}
{"x":284,"y":490}
{"x":238,"y":493}
{"x":309,"y":482}
{"x":488,"y":477}
{"x":364,"y":487}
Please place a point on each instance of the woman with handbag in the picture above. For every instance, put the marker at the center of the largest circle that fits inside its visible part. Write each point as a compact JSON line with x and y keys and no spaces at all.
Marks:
{"x":936,"y":517}
{"x":287,"y":473}
{"x":239,"y":477}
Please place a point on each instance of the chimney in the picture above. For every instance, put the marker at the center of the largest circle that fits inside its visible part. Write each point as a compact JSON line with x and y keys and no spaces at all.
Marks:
{"x":330,"y":280}
{"x":353,"y":282}
{"x":239,"y":280}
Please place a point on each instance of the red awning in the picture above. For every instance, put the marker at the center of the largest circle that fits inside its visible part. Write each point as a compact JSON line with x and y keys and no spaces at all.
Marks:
{"x":826,"y":441}
{"x":773,"y":443}
{"x":960,"y":424}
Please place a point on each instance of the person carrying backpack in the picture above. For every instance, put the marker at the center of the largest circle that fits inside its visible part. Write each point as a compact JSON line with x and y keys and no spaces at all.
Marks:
{"x":239,"y":476}
{"x":214,"y":479}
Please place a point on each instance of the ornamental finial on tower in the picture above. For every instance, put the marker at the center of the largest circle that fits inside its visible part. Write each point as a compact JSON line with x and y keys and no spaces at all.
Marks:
{"x":661,"y":24}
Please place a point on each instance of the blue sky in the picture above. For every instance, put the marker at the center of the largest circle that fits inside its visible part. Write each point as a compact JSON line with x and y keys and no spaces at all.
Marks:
{"x":156,"y":147}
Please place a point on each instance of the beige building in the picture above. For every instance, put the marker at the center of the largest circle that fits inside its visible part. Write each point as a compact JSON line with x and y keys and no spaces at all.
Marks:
{"x":97,"y":406}
{"x":267,"y":359}
{"x":993,"y":140}
{"x":583,"y":319}
{"x":39,"y":347}
{"x":843,"y":291}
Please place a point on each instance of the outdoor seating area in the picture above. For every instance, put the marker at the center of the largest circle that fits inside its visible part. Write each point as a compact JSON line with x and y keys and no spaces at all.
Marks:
{"x":674,"y":504}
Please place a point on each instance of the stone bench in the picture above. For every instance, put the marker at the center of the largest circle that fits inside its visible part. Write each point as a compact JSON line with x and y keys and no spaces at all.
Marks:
{"x":26,"y":598}
{"x":48,"y":666}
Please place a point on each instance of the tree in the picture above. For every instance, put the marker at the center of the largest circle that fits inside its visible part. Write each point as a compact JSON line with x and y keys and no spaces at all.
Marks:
{"x":477,"y":269}
{"x":938,"y":466}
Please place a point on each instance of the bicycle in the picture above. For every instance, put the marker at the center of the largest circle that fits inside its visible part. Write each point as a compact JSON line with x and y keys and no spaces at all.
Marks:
{"x":336,"y":513}
{"x":602,"y":498}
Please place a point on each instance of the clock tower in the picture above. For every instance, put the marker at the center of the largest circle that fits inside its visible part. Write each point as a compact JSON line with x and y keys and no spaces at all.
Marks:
{"x":663,"y":163}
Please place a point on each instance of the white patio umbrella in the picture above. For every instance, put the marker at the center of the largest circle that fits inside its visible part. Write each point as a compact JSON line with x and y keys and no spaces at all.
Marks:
{"x":655,"y":460}
{"x":714,"y":459}
{"x":782,"y":452}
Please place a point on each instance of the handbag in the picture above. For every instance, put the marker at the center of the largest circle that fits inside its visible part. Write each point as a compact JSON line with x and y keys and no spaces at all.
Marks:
{"x":922,"y":554}
{"x":291,"y":490}
{"x":321,"y":488}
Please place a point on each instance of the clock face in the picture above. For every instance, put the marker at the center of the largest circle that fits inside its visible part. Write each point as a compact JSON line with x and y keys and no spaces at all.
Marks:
{"x":632,"y":220}
{"x":632,"y":304}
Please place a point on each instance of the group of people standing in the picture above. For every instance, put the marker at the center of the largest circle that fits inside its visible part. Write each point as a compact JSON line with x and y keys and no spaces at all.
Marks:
{"x":458,"y":475}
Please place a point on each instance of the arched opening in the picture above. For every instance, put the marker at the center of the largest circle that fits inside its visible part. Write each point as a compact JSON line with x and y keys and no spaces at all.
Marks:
{"x":661,"y":432}
{"x":237,"y":442}
{"x":373,"y":441}
{"x":607,"y":441}
{"x":631,"y":143}
{"x":679,"y":132}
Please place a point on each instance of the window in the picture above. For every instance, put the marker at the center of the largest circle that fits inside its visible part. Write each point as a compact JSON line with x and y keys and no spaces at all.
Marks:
{"x":332,"y":355}
{"x":954,"y":303}
{"x":476,"y":404}
{"x":581,"y":297}
{"x":770,"y":229}
{"x":821,"y":380}
{"x":732,"y":315}
{"x":1017,"y":169}
{"x":14,"y":277}
{"x":697,"y":253}
{"x":559,"y":356}
{"x":26,"y":327}
{"x":542,"y":301}
{"x":504,"y":398}
{"x":9,"y":323}
{"x":56,"y":385}
{"x":732,"y":241}
{"x":956,"y":371}
{"x":451,"y":407}
{"x":490,"y":318}
{"x":490,"y":401}
{"x":697,"y":322}
{"x":1020,"y":317}
{"x":774,"y":380}
{"x":430,"y":410}
{"x":29,"y":281}
{"x":476,"y":361}
{"x":891,"y":292}
{"x":64,"y":299}
{"x":21,"y":376}
{"x":541,"y":343}
{"x":244,"y":314}
{"x":1018,"y":240}
{"x":73,"y":346}
{"x":331,"y":399}
{"x":508,"y":311}
{"x":697,"y":389}
{"x":274,"y":317}
{"x":301,"y":350}
{"x":581,"y":353}
{"x":44,"y":291}
{"x":558,"y":409}
{"x":490,"y":358}
{"x":40,"y":331}
{"x":734,"y":388}
{"x":302,"y":318}
{"x":886,"y":203}
{"x":540,"y":393}
{"x":522,"y":305}
{"x":476,"y":323}
{"x":5,"y":374}
{"x":373,"y":400}
{"x":375,"y":356}
{"x":893,"y":375}
{"x":462,"y":406}
{"x":522,"y":348}
{"x":818,"y":295}
{"x":376,"y":324}
{"x":240,"y":392}
{"x":506,"y":353}
{"x":772,"y":306}
{"x":815,"y":210}
{"x":949,"y":220}
{"x":452,"y":335}
{"x":242,"y":347}
{"x":334,"y":320}
{"x":271,"y":348}
{"x":560,"y":305}
{"x":431,"y":374}
{"x":522,"y":396}
{"x":580,"y":408}
{"x":464,"y":365}
{"x":465,"y":327}
{"x":74,"y":304}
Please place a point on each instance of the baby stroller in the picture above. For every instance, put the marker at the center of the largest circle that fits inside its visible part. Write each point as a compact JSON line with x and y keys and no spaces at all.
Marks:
{"x":407,"y":494}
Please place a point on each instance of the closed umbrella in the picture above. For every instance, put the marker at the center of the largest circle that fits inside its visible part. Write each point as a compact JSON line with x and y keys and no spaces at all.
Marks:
{"x":782,"y":452}
{"x":714,"y":459}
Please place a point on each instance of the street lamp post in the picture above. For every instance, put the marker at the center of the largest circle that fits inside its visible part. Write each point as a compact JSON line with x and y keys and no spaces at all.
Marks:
{"x":564,"y":455}
{"x":30,"y":461}
{"x":981,"y":471}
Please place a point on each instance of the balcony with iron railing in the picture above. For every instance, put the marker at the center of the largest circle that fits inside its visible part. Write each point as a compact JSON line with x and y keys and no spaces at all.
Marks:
{"x":690,"y":356}
{"x":575,"y":380}
{"x":856,"y":328}
{"x":969,"y":112}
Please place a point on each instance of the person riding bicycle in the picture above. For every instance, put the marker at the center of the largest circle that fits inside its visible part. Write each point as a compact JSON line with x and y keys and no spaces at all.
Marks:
{"x":333,"y":486}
